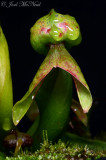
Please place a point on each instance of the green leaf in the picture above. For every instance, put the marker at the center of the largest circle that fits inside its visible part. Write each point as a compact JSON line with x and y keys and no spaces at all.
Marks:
{"x":67,"y":62}
{"x":6,"y":93}
{"x":58,"y":56}
{"x":84,"y":95}
{"x":21,"y":107}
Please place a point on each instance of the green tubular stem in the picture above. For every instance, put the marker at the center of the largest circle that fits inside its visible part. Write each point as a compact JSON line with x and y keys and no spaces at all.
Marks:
{"x":54,"y":116}
{"x":6,"y":93}
{"x":43,"y":92}
{"x":92,"y":144}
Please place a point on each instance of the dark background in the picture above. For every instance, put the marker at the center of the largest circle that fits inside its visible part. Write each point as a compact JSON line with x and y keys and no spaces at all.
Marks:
{"x":90,"y":54}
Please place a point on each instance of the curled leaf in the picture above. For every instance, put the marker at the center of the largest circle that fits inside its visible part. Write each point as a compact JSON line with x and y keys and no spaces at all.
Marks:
{"x":58,"y":56}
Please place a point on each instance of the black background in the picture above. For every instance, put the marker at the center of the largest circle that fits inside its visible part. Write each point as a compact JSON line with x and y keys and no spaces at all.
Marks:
{"x":90,"y":54}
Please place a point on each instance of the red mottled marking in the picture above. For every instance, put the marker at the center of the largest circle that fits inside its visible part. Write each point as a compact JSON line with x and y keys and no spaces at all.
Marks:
{"x":69,"y":68}
{"x":63,"y":25}
{"x":46,"y":30}
{"x":61,"y":34}
{"x":43,"y":29}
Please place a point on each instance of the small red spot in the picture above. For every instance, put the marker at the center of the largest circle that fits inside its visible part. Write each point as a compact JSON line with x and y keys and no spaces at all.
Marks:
{"x":50,"y":13}
{"x":61,"y":34}
{"x":77,"y":27}
{"x":48,"y":30}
